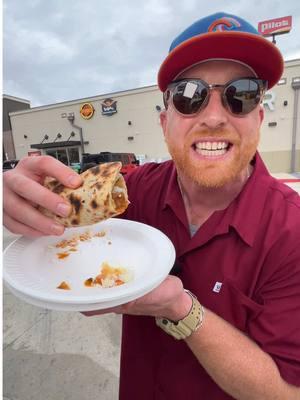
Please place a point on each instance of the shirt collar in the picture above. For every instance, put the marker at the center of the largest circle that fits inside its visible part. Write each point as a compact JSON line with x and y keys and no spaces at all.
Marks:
{"x":243,"y":213}
{"x":173,"y":191}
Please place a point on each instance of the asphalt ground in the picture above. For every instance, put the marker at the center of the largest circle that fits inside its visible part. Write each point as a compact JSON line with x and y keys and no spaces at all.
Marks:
{"x":51,"y":355}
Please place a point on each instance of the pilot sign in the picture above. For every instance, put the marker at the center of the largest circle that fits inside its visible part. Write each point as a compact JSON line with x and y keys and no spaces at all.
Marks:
{"x":109,"y":107}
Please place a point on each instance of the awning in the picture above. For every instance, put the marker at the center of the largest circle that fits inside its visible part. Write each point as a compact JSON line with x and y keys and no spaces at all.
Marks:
{"x":52,"y":145}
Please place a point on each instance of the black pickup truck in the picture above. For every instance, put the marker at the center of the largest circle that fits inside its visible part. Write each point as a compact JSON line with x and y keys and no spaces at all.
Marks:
{"x":128,"y":160}
{"x":9,"y":164}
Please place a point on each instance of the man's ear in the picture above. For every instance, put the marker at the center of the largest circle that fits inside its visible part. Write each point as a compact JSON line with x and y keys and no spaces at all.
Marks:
{"x":261,"y":113}
{"x":163,"y":120}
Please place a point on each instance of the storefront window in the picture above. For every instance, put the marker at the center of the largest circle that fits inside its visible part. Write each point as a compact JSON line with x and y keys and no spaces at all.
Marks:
{"x":66,"y":155}
{"x":73,"y":155}
{"x":51,"y":153}
{"x":62,"y":156}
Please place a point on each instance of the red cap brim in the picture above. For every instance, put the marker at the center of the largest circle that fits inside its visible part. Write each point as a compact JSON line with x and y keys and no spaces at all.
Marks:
{"x":254,"y":50}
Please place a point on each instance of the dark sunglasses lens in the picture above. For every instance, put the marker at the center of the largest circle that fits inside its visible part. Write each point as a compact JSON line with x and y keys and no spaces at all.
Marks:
{"x":242,"y":96}
{"x":188,"y":97}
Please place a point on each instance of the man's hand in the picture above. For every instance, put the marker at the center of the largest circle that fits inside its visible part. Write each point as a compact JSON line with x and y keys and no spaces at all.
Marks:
{"x":167,"y":300}
{"x":23,"y":192}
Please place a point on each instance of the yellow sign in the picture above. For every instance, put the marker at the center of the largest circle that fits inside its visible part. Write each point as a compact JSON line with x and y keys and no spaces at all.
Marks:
{"x":87,"y":110}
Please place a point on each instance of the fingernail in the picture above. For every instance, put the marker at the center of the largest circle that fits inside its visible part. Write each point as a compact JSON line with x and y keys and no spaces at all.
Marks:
{"x":74,"y":180}
{"x":57,"y":229}
{"x":63,"y":209}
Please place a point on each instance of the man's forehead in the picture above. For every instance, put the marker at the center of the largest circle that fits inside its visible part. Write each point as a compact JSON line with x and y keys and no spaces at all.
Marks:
{"x":217,"y":65}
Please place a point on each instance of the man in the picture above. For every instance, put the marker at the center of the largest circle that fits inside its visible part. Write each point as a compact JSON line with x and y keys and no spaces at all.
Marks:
{"x":236,"y":230}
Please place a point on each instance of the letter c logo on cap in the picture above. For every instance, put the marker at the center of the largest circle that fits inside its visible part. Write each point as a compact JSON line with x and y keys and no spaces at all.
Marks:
{"x":223,"y":24}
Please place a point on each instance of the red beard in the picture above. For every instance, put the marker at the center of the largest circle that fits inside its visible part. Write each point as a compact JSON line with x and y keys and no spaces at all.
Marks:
{"x":213,"y":173}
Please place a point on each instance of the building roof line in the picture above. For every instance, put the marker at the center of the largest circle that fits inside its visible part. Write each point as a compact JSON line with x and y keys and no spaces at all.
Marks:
{"x":15,"y":98}
{"x":87,"y":99}
{"x":292,"y":60}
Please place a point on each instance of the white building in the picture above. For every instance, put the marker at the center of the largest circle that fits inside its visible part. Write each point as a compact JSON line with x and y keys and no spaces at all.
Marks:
{"x":128,"y":121}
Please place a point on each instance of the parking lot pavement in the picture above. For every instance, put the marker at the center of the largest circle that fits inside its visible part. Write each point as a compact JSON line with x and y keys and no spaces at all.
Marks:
{"x":50,"y":355}
{"x":291,"y":180}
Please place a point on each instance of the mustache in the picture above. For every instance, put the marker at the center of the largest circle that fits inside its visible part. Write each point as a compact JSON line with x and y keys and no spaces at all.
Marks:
{"x":215,"y":134}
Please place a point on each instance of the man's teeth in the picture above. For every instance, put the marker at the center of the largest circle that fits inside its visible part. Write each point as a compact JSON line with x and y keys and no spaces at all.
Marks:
{"x":211,"y":145}
{"x":211,"y":148}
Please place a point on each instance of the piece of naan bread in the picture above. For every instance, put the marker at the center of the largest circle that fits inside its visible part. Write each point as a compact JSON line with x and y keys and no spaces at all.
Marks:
{"x":102,"y":195}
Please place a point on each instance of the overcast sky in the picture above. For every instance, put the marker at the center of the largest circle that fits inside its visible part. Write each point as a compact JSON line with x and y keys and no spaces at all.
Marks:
{"x":59,"y":50}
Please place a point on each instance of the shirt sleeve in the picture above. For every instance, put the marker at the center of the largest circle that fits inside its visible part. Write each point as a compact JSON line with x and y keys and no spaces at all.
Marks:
{"x":132,"y":181}
{"x":136,"y":183}
{"x":277,"y":328}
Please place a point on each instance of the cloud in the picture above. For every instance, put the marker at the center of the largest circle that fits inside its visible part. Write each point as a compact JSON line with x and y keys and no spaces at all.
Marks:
{"x":55,"y":51}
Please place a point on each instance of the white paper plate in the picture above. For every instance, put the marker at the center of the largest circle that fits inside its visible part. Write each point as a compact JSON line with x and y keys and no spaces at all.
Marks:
{"x":32,"y":270}
{"x":74,"y":307}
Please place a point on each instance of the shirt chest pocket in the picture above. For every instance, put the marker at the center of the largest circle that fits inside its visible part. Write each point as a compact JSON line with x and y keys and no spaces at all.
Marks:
{"x":231,"y":304}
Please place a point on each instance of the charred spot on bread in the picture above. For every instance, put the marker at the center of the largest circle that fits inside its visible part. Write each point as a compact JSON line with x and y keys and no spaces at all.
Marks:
{"x":106,"y":169}
{"x":58,"y":188}
{"x":51,"y":182}
{"x":97,"y":185}
{"x":106,"y":201}
{"x":105,"y":173}
{"x":94,"y":204}
{"x":76,"y":202}
{"x":75,"y":221}
{"x":109,"y":168}
{"x":95,"y":170}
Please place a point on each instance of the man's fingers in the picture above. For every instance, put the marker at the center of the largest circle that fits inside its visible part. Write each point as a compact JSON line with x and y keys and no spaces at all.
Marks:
{"x":154,"y":303}
{"x":19,"y":228}
{"x":22,"y":212}
{"x":35,"y":193}
{"x":22,"y":192}
{"x":49,"y":166}
{"x":116,"y":310}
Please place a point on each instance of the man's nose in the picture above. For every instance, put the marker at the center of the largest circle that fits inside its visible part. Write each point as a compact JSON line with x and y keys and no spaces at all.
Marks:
{"x":214,"y":115}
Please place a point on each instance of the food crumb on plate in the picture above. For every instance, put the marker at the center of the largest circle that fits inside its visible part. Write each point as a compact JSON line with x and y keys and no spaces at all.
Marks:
{"x":64,"y":285}
{"x":63,"y":255}
{"x":110,"y":276}
{"x":70,"y":245}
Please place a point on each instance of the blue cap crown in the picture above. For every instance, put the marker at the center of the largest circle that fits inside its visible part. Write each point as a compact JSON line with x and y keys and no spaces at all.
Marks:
{"x":221,"y":36}
{"x":218,"y":22}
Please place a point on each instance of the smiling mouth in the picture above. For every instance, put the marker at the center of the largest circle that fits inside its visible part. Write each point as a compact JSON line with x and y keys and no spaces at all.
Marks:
{"x":212,"y":149}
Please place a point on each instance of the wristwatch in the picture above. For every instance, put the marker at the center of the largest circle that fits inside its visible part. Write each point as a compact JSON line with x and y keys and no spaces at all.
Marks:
{"x":186,"y":326}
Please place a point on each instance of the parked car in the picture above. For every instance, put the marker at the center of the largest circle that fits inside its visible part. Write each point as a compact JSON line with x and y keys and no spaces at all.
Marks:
{"x":9,"y":164}
{"x":128,"y":160}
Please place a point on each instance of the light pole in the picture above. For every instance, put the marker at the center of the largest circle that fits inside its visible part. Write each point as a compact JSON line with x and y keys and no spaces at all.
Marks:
{"x":71,"y":117}
{"x":296,"y":87}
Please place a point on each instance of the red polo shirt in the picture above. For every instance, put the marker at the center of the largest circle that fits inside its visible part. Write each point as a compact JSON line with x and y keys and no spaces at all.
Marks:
{"x":243,"y":264}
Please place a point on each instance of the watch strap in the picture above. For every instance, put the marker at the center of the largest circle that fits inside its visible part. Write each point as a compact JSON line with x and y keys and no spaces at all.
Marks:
{"x":185,"y":327}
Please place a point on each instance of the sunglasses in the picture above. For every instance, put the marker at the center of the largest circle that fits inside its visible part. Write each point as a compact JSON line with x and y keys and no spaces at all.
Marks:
{"x":239,"y":96}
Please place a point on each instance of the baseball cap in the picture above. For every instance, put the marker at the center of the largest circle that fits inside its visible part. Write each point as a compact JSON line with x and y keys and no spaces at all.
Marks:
{"x":222,"y":36}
